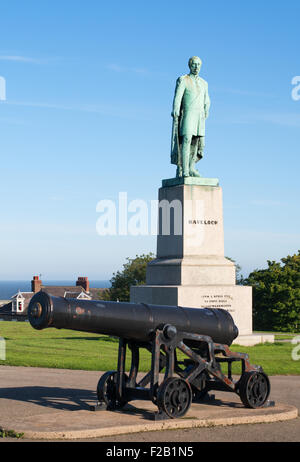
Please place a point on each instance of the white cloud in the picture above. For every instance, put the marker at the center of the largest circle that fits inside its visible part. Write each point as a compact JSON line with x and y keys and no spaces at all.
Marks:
{"x":42,"y":105}
{"x":287,"y":119}
{"x":48,"y":229}
{"x":125,"y":111}
{"x":13,"y":121}
{"x":238,"y":91}
{"x":267,"y":203}
{"x":281,"y":118}
{"x":29,"y":60}
{"x":19,"y":59}
{"x":116,"y":68}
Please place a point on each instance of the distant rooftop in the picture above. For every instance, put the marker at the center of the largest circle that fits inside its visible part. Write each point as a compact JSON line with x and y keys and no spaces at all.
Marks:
{"x":19,"y":302}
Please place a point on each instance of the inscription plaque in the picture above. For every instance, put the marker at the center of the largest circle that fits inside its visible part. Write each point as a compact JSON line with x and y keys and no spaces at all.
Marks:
{"x":218,"y":301}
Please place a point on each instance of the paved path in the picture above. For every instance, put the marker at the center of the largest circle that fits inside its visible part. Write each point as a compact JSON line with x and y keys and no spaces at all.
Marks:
{"x":43,"y":398}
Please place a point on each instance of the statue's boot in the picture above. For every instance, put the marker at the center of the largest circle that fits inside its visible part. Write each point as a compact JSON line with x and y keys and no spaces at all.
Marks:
{"x":200,"y":147}
{"x":193,"y":171}
{"x":179,"y":172}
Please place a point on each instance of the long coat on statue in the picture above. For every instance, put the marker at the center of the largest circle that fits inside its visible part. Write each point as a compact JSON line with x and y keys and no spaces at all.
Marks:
{"x":191,"y":104}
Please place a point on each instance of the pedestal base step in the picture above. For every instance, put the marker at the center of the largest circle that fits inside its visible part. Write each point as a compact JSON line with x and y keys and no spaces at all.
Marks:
{"x":254,"y":339}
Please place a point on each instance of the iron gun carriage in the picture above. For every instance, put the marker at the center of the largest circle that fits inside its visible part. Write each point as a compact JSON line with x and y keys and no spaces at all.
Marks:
{"x":189,"y":345}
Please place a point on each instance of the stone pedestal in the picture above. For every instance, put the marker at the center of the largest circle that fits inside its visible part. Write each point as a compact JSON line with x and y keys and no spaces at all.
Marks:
{"x":190,"y":269}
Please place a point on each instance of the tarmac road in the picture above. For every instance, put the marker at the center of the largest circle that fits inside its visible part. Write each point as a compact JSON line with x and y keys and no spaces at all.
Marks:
{"x":23,"y":388}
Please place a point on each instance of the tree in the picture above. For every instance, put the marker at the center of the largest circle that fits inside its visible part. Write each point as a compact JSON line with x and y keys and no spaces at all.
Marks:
{"x":276,"y":295}
{"x":133,"y":274}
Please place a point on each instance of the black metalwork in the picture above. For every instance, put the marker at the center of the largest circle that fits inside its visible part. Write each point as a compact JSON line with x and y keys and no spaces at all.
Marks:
{"x":254,"y":389}
{"x":186,"y":353}
{"x":107,"y":393}
{"x":174,"y":397}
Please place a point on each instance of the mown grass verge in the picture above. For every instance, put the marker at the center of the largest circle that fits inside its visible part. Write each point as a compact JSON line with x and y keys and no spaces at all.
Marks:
{"x":66,"y":349}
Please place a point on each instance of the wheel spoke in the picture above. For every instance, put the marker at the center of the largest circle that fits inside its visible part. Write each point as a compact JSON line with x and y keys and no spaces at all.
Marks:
{"x":254,"y":389}
{"x":175,"y":397}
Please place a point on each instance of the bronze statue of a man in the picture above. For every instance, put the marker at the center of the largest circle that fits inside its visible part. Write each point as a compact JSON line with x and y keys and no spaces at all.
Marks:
{"x":190,"y":110}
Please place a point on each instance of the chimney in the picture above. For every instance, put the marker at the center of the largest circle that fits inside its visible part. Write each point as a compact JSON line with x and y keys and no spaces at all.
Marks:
{"x":36,"y":284}
{"x":84,"y":283}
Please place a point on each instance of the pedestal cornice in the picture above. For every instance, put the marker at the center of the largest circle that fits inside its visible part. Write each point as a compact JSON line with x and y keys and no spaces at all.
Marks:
{"x":197,"y":181}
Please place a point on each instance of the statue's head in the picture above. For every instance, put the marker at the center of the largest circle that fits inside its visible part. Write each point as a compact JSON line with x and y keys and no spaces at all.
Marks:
{"x":195,"y":64}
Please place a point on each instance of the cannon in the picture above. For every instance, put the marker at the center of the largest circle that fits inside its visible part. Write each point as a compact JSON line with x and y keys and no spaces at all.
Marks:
{"x":189,"y":351}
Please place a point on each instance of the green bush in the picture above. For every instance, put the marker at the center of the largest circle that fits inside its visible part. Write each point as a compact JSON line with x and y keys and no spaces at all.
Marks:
{"x":276,"y":295}
{"x":133,"y":274}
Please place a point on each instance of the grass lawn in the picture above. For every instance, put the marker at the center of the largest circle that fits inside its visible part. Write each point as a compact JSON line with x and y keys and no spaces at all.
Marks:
{"x":285,"y":336}
{"x":66,"y":349}
{"x":60,"y":348}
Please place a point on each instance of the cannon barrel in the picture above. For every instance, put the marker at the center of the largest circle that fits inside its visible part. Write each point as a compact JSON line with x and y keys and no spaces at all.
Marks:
{"x":133,"y":321}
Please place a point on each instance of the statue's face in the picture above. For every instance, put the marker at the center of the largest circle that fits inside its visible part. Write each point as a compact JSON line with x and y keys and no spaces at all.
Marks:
{"x":195,"y":67}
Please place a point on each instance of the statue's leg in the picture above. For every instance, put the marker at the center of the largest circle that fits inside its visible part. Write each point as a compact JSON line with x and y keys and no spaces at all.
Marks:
{"x":193,"y":159}
{"x":186,"y":150}
{"x":179,"y":171}
{"x":201,"y":147}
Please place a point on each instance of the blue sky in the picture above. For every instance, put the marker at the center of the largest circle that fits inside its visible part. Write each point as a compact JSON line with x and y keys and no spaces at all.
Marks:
{"x":89,"y":89}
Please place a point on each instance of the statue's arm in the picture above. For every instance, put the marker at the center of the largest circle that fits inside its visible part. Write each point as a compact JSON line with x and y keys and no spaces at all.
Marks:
{"x":179,"y":91}
{"x":206,"y":102}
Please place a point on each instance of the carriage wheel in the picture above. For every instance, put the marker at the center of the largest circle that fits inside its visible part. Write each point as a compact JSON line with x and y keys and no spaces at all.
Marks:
{"x":254,"y":389}
{"x":174,"y":397}
{"x":106,"y":391}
